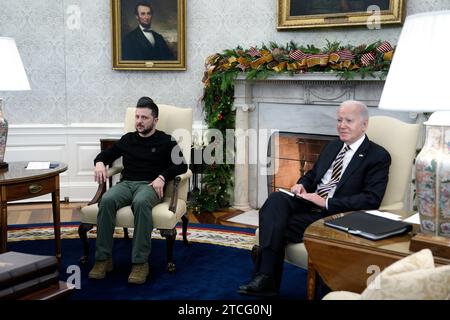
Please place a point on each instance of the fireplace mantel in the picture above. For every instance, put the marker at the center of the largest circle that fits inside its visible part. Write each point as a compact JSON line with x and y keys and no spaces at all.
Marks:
{"x":304,"y":103}
{"x":308,"y":88}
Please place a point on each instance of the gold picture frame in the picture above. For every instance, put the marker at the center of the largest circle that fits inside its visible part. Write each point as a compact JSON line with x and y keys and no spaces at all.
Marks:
{"x":297,"y":14}
{"x":143,"y":43}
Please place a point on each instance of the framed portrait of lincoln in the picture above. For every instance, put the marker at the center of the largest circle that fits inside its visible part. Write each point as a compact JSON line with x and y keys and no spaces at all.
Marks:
{"x":295,"y":14}
{"x":148,"y":34}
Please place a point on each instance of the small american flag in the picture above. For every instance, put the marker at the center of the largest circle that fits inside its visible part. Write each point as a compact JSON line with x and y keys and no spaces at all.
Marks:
{"x":297,"y":55}
{"x":367,"y":58}
{"x":253,"y":52}
{"x":345,"y":55}
{"x":241,"y":66}
{"x":384,"y":47}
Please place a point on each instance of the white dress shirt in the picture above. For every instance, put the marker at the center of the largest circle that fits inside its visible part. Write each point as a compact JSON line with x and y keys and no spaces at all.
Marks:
{"x":148,"y":35}
{"x":347,"y":158}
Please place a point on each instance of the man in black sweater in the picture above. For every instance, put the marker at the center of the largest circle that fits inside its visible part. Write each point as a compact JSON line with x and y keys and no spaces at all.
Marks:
{"x":151,"y":158}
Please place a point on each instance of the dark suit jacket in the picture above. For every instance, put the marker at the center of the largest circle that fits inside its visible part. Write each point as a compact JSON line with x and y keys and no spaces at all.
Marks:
{"x":362,"y":184}
{"x":135,"y":46}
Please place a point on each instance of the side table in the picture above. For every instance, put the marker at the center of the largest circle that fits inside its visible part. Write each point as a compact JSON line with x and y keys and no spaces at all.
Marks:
{"x":347,"y":262}
{"x":18,"y":183}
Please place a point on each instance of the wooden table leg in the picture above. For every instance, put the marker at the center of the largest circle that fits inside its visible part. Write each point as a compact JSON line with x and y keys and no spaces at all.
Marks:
{"x":311,"y":281}
{"x":56,"y":219}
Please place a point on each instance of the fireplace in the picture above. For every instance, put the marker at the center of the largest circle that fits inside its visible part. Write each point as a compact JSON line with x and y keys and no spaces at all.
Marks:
{"x":293,"y":154}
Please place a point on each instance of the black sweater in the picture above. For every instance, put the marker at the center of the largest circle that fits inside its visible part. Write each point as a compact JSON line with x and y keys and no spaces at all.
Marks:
{"x":144,"y":159}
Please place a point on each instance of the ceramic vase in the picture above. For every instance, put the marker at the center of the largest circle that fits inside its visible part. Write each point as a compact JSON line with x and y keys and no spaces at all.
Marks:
{"x":433,"y":181}
{"x":3,"y":134}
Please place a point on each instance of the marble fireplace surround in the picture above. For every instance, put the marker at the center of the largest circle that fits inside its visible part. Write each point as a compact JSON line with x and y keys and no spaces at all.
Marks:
{"x":304,"y":103}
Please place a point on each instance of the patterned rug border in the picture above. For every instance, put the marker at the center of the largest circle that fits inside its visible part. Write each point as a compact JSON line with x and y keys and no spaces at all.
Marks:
{"x":236,"y":237}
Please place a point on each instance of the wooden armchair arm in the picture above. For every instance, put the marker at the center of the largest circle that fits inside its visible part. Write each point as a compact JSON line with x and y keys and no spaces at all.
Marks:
{"x":113,"y":171}
{"x":176,"y":182}
{"x":102,"y":186}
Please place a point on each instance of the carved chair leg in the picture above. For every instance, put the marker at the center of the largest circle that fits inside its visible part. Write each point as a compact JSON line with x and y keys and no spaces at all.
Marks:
{"x":170,"y":235}
{"x":82,"y":233}
{"x":185,"y":221}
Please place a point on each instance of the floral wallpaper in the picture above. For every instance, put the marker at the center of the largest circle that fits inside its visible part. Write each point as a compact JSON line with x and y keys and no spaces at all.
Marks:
{"x":66,"y":50}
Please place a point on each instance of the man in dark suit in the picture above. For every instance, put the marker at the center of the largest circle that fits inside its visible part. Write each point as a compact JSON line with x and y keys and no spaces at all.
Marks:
{"x":143,"y":43}
{"x":350,"y":174}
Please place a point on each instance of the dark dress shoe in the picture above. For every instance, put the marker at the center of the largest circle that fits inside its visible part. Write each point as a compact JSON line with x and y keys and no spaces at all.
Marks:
{"x":261,"y":285}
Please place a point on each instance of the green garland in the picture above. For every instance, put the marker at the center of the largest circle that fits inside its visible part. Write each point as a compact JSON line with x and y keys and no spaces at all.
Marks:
{"x":217,"y":178}
{"x":223,"y":68}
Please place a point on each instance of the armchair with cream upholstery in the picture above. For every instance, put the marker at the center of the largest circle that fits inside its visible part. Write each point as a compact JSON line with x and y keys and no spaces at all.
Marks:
{"x":414,"y":277}
{"x":400,"y":140}
{"x":173,"y":209}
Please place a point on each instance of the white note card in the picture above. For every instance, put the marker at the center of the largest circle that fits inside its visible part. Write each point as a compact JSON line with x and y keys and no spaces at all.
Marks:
{"x":414,"y":219}
{"x":38,"y":165}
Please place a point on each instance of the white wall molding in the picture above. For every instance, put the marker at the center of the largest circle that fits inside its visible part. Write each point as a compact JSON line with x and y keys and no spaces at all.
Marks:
{"x":75,"y":144}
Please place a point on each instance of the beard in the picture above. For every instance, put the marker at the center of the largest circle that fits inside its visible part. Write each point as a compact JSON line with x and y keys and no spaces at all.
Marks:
{"x":146,"y":25}
{"x":145,"y":130}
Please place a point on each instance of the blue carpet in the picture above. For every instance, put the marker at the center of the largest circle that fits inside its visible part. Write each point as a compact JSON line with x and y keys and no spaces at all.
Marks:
{"x":204,"y":272}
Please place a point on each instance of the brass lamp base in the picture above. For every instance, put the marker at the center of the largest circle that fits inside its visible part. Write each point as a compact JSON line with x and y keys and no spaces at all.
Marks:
{"x":3,"y":166}
{"x":439,"y":246}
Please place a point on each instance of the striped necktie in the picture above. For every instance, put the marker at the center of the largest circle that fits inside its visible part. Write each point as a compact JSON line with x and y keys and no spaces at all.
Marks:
{"x":335,"y":175}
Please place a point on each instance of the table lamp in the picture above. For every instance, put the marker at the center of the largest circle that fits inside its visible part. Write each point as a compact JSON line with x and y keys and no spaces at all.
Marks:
{"x":417,"y":81}
{"x":12,"y":78}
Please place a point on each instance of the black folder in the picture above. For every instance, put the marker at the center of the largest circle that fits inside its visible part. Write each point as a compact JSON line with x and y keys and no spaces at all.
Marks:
{"x":361,"y":223}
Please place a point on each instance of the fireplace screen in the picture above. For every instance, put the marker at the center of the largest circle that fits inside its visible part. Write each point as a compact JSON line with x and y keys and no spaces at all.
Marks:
{"x":293,"y":155}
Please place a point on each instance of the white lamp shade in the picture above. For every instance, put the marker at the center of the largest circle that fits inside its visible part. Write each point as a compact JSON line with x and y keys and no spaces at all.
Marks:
{"x":418,"y":78}
{"x":12,"y":73}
